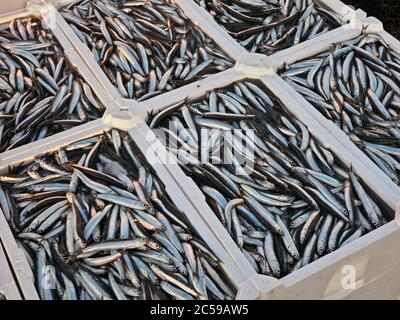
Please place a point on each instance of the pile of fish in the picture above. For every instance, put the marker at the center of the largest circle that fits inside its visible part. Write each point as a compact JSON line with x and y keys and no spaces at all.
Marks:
{"x":356,"y":84}
{"x":40,"y":92}
{"x":144,"y":47}
{"x":96,"y":223}
{"x":265,"y":26}
{"x":291,"y":201}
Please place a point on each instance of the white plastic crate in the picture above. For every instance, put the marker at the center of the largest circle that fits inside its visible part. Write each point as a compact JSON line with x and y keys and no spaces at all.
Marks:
{"x":198,"y":18}
{"x":236,"y":273}
{"x":16,"y":277}
{"x":367,"y":253}
{"x":369,"y":25}
{"x":325,"y":274}
{"x":8,"y":286}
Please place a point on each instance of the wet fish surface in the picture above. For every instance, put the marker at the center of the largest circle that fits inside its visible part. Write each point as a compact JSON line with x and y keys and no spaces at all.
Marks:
{"x":95,"y":222}
{"x":356,"y":84}
{"x":145,"y":47}
{"x":266,"y":26}
{"x":284,"y":198}
{"x":41,"y":93}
